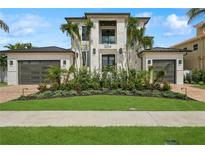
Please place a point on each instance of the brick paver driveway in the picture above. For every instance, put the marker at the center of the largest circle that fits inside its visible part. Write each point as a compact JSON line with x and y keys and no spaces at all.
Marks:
{"x":195,"y":93}
{"x":12,"y":92}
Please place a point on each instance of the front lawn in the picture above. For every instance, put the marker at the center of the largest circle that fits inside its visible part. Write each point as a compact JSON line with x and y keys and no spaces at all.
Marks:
{"x":201,"y":86}
{"x":100,"y":135}
{"x":105,"y":102}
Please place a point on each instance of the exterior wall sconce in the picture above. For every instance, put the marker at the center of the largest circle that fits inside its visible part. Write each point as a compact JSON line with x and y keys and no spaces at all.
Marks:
{"x":94,"y":51}
{"x":120,"y":51}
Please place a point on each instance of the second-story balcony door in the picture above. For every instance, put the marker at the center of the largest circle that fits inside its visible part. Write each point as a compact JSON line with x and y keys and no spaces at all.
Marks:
{"x":108,"y":36}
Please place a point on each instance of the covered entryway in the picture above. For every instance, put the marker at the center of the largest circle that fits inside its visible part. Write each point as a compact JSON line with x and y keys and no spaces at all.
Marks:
{"x":169,"y":66}
{"x":34,"y":71}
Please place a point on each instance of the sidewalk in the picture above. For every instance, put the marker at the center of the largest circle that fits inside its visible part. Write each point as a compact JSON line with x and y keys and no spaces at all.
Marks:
{"x":102,"y":118}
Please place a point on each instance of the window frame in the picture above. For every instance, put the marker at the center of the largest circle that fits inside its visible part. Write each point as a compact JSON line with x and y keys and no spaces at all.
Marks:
{"x":195,"y":47}
{"x":84,"y":35}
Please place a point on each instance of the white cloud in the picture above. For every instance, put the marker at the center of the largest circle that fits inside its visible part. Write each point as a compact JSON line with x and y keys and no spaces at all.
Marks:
{"x":27,"y":24}
{"x":144,"y":14}
{"x":177,"y":25}
{"x":1,"y":16}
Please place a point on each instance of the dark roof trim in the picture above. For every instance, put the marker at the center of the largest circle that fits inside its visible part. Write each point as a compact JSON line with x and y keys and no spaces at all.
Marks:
{"x":162,"y":49}
{"x":49,"y":49}
{"x":75,"y":18}
{"x":106,"y":13}
{"x":144,"y":18}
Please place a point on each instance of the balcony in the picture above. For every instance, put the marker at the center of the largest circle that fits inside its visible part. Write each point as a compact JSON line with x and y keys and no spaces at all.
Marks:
{"x":107,"y":33}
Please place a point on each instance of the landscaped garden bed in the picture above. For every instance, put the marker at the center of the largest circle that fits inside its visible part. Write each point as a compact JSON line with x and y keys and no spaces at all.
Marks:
{"x":72,"y":93}
{"x":102,"y":135}
{"x":109,"y":81}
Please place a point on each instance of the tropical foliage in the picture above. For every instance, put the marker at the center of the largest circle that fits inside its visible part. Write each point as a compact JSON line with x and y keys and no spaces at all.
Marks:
{"x":89,"y":25}
{"x":136,"y":39}
{"x":72,"y":30}
{"x":112,"y":78}
{"x":4,"y":26}
{"x":3,"y":61}
{"x":194,"y":13}
{"x":19,"y":46}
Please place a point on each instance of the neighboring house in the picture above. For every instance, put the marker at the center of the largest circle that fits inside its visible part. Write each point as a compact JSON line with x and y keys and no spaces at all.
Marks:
{"x":195,"y":59}
{"x":107,"y":47}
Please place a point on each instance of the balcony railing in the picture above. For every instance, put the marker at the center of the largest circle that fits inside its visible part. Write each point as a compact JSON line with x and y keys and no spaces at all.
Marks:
{"x":108,"y":40}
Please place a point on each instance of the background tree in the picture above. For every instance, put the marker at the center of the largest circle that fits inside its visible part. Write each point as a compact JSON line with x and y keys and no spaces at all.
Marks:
{"x":72,"y":30}
{"x":19,"y":46}
{"x":4,"y":26}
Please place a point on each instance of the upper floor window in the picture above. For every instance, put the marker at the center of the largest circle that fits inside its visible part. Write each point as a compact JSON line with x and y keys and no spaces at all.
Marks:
{"x":185,"y":48}
{"x":108,"y":36}
{"x":195,"y":47}
{"x":84,"y":34}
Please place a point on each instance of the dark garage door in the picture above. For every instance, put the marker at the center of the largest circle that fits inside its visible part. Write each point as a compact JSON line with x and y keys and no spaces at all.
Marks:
{"x":169,"y":66}
{"x":34,"y":71}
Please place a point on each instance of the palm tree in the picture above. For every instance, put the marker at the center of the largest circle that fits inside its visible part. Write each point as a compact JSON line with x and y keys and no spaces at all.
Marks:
{"x":72,"y":30}
{"x":89,"y":25}
{"x":131,"y":39}
{"x":136,"y":38}
{"x":194,"y":13}
{"x":4,"y":26}
{"x":19,"y":46}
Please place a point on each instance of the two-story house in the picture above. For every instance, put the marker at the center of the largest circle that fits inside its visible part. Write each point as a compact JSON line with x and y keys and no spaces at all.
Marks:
{"x":108,"y":39}
{"x":107,"y":47}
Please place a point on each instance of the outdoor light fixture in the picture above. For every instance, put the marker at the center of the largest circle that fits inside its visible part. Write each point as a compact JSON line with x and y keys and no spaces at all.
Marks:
{"x":120,"y":51}
{"x":94,"y":51}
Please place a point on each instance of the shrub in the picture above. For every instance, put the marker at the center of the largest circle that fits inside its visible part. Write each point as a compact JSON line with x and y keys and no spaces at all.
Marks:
{"x":166,"y":86}
{"x":72,"y":93}
{"x":54,"y":75}
{"x":58,"y":93}
{"x":42,"y":87}
{"x":54,"y":86}
{"x":85,"y":93}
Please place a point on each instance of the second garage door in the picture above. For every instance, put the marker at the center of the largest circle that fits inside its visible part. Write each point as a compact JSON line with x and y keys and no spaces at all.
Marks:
{"x":169,"y":66}
{"x":34,"y":71}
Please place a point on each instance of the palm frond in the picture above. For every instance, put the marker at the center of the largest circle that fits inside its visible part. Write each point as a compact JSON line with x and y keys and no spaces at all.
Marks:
{"x":194,"y":13}
{"x":4,"y":26}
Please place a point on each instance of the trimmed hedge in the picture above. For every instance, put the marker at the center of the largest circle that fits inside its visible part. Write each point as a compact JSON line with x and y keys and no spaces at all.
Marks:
{"x":104,"y":91}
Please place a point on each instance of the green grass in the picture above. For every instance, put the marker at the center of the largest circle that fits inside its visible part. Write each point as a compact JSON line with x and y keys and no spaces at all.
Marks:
{"x":3,"y":84}
{"x":200,"y":86}
{"x":101,"y":135}
{"x":105,"y":102}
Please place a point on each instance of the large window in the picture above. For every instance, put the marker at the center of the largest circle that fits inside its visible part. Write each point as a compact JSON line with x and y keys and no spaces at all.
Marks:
{"x":84,"y":35}
{"x":108,"y":60}
{"x":108,"y":36}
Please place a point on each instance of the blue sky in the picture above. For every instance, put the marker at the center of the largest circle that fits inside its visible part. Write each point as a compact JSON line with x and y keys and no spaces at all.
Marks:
{"x":41,"y":26}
